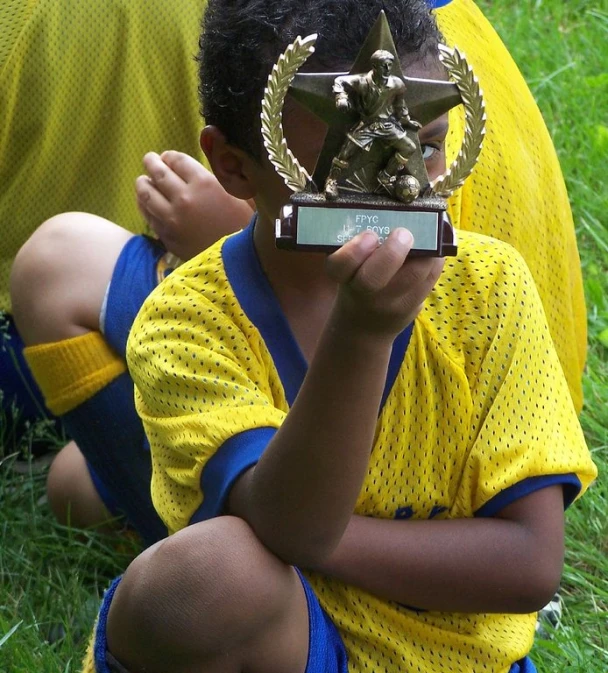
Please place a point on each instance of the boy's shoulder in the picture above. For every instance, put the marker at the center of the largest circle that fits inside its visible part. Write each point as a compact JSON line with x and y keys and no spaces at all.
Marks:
{"x":485,"y":292}
{"x":482,"y":261}
{"x":482,"y":282}
{"x":470,"y":303}
{"x":200,"y":279}
{"x":485,"y":271}
{"x":195,"y":304}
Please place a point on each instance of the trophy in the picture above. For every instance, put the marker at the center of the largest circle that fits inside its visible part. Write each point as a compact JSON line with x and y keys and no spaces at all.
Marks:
{"x":371,"y":174}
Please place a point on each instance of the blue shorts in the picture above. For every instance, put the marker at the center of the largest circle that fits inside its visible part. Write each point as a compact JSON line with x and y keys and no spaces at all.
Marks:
{"x":523,"y":666}
{"x":139,"y":268}
{"x":326,"y":652}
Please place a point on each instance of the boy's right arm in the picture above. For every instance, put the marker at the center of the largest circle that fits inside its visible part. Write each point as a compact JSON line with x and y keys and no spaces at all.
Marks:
{"x":300,"y":496}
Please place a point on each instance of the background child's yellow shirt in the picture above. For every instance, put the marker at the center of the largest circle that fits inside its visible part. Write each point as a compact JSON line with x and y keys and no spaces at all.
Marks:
{"x":117,"y":79}
{"x":476,"y":414}
{"x":517,"y":193}
{"x":87,"y":87}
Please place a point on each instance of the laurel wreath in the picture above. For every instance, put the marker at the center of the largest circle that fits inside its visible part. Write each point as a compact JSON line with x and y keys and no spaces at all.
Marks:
{"x":297,"y":178}
{"x":475,"y":122}
{"x":287,"y":166}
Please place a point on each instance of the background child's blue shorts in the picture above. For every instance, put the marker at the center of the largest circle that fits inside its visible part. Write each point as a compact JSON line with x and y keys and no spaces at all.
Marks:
{"x":139,"y":268}
{"x":326,"y":652}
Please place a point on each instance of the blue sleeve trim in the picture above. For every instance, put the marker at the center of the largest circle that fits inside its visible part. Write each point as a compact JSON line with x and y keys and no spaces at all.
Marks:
{"x":235,"y":456}
{"x":525,"y":665}
{"x":570,"y":482}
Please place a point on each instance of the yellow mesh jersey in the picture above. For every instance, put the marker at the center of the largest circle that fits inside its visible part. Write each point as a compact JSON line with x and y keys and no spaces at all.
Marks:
{"x":517,"y":192}
{"x":479,"y":393}
{"x":86,"y":89}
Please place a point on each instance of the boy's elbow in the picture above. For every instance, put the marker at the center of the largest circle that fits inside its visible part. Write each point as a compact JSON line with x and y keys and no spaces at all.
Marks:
{"x":536,"y":598}
{"x":303,"y":551}
{"x":548,"y":565}
{"x":539,"y":586}
{"x":536,"y":565}
{"x":547,"y":585}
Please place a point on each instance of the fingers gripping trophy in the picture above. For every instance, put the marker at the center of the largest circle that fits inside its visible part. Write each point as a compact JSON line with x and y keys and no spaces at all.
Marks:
{"x":371,"y":171}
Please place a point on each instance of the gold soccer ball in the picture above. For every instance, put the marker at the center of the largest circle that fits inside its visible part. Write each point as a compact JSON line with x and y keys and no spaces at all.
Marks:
{"x":407,"y":188}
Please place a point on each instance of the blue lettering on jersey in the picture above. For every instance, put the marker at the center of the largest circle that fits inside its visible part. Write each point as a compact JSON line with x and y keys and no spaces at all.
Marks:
{"x":438,"y":509}
{"x":408,"y":512}
{"x":404,"y":513}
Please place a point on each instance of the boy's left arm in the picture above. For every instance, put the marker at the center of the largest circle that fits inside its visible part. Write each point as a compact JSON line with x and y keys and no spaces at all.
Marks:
{"x":500,"y":547}
{"x":511,"y":562}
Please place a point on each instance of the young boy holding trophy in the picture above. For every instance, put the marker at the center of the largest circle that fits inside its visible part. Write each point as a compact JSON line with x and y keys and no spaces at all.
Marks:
{"x":363,"y":459}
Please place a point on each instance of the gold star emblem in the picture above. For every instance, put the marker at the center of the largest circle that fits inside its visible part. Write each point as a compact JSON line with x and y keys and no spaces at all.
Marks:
{"x":426,"y":99}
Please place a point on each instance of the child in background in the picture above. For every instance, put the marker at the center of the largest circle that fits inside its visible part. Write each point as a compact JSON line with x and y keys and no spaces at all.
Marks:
{"x":81,"y":104}
{"x":312,"y":532}
{"x":77,"y":285}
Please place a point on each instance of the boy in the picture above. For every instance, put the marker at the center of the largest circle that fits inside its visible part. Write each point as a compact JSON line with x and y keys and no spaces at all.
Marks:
{"x":259,"y":378}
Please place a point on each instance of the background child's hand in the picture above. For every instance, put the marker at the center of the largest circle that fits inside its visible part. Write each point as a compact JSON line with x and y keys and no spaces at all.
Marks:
{"x":185,"y":205}
{"x":381,"y":291}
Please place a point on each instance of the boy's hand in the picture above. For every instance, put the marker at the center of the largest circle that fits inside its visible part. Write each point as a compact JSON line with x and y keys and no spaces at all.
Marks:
{"x":185,"y":205}
{"x":381,"y":291}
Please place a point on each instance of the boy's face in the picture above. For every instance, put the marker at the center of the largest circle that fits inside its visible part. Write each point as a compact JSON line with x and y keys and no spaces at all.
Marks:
{"x":305,"y":134}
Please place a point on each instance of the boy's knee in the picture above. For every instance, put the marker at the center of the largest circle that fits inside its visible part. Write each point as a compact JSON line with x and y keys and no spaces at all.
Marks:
{"x":47,"y":251}
{"x":187,"y":596}
{"x":59,"y":276}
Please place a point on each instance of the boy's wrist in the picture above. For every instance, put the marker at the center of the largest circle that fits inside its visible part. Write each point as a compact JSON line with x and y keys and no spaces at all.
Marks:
{"x":371,"y":329}
{"x":355,"y":332}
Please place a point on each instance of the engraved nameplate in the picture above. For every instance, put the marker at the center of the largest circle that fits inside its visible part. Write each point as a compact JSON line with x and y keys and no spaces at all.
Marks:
{"x":336,"y":226}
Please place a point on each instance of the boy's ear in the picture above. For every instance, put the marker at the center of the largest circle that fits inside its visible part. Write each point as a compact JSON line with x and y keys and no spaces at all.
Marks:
{"x":227,"y":163}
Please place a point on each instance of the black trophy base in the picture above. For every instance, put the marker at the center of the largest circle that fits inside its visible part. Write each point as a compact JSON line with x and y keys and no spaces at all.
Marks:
{"x":311,"y":223}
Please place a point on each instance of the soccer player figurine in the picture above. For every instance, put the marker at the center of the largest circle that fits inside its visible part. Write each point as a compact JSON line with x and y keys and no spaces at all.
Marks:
{"x":379,"y":98}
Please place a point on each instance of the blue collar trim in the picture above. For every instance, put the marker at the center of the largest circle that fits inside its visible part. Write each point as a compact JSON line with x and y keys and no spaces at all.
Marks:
{"x":259,"y":302}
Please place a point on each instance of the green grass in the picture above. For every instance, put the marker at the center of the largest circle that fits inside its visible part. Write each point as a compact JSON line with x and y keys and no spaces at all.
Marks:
{"x":562,"y":49}
{"x":51,"y":577}
{"x":51,"y":580}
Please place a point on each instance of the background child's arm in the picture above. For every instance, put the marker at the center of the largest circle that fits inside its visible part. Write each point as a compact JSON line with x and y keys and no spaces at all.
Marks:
{"x":185,"y":205}
{"x":300,"y":496}
{"x":509,"y":563}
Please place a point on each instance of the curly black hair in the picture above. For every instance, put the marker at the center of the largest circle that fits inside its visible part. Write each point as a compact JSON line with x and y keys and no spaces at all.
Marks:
{"x":242,"y":39}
